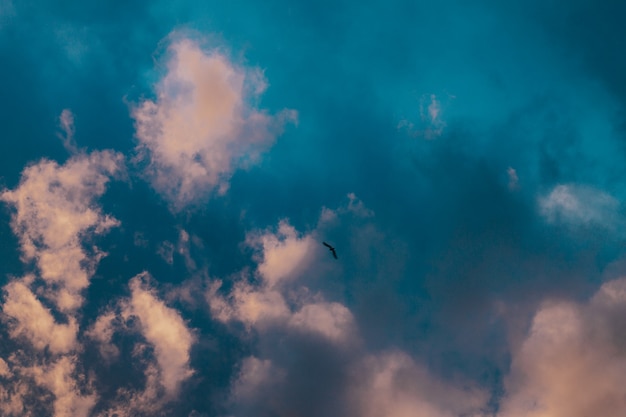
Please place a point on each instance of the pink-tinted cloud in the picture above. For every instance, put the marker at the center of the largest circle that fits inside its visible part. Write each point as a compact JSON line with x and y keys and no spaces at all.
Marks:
{"x":573,"y":361}
{"x":61,"y":380}
{"x":66,"y":123}
{"x":202,"y":125}
{"x":165,"y":330}
{"x":29,"y":319}
{"x":53,"y":210}
{"x":392,"y":384}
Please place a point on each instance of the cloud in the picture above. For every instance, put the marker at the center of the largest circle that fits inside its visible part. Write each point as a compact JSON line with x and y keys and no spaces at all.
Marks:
{"x":282,"y":254}
{"x":30,"y":319}
{"x":255,"y":376}
{"x":392,"y":384}
{"x":165,"y":330}
{"x":431,"y":124}
{"x":66,"y":123}
{"x":310,"y":359}
{"x":573,"y":361}
{"x":580,"y":205}
{"x":513,"y":178}
{"x":102,"y":332}
{"x":55,"y":212}
{"x":59,"y":379}
{"x":330,"y":320}
{"x":202,"y":126}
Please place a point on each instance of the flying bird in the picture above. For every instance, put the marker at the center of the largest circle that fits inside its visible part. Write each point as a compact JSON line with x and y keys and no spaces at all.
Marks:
{"x":331,"y":249}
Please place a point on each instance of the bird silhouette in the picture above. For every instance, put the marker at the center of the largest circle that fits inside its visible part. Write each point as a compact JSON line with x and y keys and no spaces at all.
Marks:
{"x":331,"y":249}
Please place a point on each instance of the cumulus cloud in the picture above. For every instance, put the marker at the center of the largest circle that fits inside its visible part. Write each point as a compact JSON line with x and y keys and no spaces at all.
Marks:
{"x":580,"y":205}
{"x":283,"y":257}
{"x":573,"y":361}
{"x":282,"y":254}
{"x":202,"y":125}
{"x":310,"y":347}
{"x":54,"y":209}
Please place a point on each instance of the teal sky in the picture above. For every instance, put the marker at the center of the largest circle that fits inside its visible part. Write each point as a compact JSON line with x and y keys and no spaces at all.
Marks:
{"x":169,"y":171}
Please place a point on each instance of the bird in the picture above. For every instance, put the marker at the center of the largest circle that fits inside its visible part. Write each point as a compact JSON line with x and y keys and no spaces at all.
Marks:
{"x":331,"y":249}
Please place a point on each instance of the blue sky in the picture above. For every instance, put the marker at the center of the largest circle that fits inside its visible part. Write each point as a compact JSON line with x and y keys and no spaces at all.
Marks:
{"x":169,"y":171}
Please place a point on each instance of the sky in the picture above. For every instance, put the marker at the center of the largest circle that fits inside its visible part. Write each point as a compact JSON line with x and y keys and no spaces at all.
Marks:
{"x":170,"y":169}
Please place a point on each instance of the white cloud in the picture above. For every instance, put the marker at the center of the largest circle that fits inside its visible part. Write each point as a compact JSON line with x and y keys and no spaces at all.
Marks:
{"x":580,"y":205}
{"x":66,"y":123}
{"x":54,"y":208}
{"x":165,"y":330}
{"x":30,"y":319}
{"x":573,"y":361}
{"x":202,"y":125}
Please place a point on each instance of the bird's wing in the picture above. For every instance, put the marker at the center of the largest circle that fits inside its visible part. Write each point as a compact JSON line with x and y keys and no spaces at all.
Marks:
{"x":334,"y":253}
{"x":327,"y":245}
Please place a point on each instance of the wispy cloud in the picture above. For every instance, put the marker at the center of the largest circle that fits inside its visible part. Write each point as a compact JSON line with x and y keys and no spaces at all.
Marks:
{"x":431,"y":123}
{"x":66,"y":123}
{"x":580,"y":205}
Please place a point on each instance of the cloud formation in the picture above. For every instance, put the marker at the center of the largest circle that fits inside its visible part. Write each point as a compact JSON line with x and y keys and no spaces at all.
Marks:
{"x":573,"y":362}
{"x":165,"y":330}
{"x":54,"y":210}
{"x":203,"y":125}
{"x":299,"y":330}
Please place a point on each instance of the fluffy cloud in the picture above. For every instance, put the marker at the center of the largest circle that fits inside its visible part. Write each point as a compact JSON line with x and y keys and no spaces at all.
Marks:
{"x":283,"y":254}
{"x":202,"y":126}
{"x":330,"y":320}
{"x":580,"y":205}
{"x":59,"y":378}
{"x":30,"y":319}
{"x":283,"y":258}
{"x":54,"y":209}
{"x":310,"y":348}
{"x":102,"y":332}
{"x":573,"y":362}
{"x":392,"y":384}
{"x":165,"y":330}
